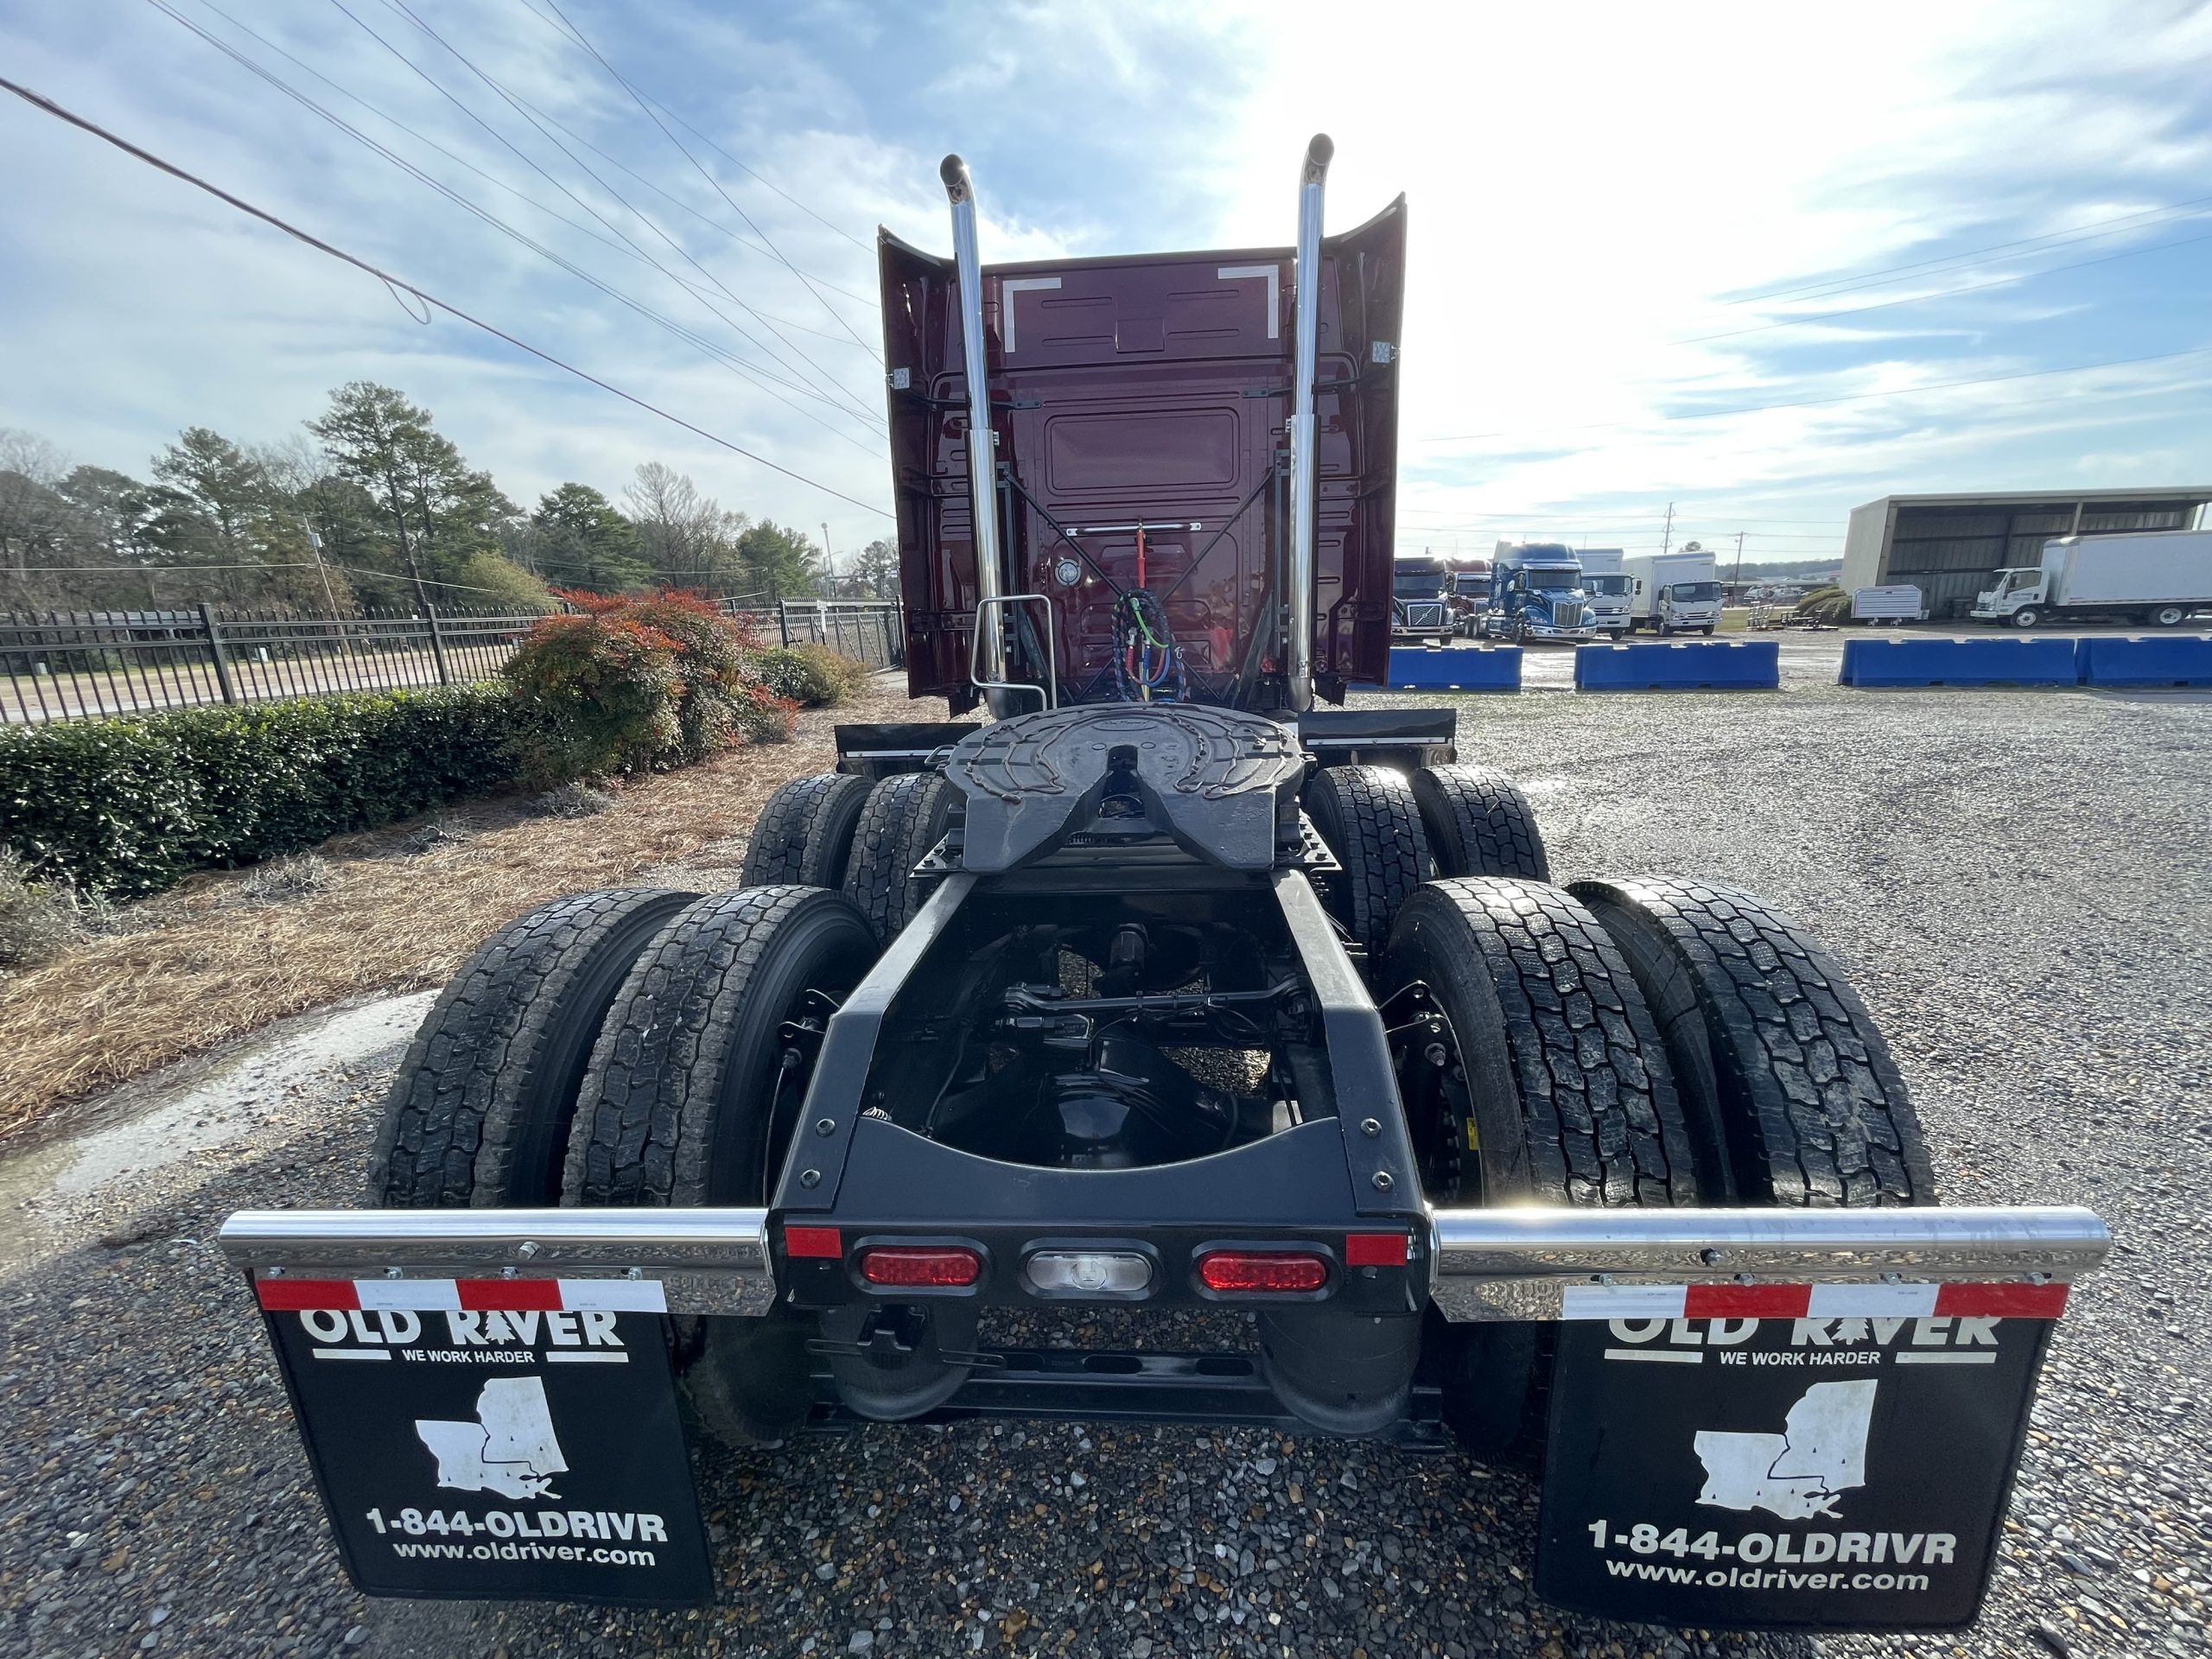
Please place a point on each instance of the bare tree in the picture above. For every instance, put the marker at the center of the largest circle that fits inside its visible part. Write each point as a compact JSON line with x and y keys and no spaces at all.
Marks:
{"x":34,"y":517}
{"x":687,"y":535}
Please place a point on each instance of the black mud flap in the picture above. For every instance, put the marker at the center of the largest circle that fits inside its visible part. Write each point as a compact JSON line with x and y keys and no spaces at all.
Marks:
{"x":528,"y":1452}
{"x":1845,"y":1473}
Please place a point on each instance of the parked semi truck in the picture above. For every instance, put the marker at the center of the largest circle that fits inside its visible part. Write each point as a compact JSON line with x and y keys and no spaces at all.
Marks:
{"x":1171,"y":1003}
{"x":1604,"y":588}
{"x":2161,"y":577}
{"x":1420,"y":606}
{"x":1536,"y":592}
{"x":1674,"y":592}
{"x":1469,"y":595}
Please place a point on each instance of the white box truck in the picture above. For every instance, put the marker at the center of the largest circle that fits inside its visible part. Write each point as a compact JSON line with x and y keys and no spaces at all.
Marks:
{"x":1604,"y":590}
{"x":1674,"y":592}
{"x":2161,"y":577}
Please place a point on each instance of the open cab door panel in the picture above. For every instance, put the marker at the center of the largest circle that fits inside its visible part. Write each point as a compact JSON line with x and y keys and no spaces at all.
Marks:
{"x":1141,"y":409}
{"x":1356,"y":420}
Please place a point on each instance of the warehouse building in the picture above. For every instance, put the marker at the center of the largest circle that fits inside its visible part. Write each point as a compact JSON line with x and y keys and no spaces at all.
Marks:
{"x":1949,"y":546}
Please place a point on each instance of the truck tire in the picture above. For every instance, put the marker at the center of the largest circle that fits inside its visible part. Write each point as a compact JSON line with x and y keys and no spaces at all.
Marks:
{"x":1553,"y":1088}
{"x":478,"y":1114}
{"x":2168,"y":616}
{"x":1367,"y":816}
{"x":785,"y":846}
{"x":2026,"y":616}
{"x":1791,"y":1091}
{"x":1478,"y":823}
{"x":691,"y":1100}
{"x":903,"y":817}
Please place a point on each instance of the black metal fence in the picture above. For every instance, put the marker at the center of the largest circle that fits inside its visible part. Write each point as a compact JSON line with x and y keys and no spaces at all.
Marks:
{"x":868,"y":631}
{"x":91,"y":665}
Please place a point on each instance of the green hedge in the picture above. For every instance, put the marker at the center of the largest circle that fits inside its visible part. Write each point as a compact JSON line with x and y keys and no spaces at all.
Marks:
{"x":130,"y":806}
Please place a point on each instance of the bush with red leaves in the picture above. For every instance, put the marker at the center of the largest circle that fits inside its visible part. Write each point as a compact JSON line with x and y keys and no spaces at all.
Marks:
{"x":638,"y":684}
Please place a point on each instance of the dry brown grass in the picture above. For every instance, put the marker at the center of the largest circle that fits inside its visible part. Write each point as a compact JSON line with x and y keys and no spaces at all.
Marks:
{"x":203,"y":964}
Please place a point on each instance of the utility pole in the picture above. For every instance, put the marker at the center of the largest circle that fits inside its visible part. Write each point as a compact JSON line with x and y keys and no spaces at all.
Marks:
{"x":1739,"y":562}
{"x":829,"y":561}
{"x":315,"y":546}
{"x":1667,"y":540}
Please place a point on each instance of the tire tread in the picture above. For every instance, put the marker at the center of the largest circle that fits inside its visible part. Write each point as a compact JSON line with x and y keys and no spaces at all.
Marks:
{"x":1826,"y":1118}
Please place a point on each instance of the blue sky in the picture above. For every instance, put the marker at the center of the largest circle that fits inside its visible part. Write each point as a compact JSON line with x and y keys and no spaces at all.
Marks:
{"x":1613,"y":208}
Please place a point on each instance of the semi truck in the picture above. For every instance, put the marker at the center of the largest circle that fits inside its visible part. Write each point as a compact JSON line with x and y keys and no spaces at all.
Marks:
{"x":1469,"y":595}
{"x":1535,"y":594}
{"x":1173,"y":1044}
{"x":1674,"y":592}
{"x":2160,"y":577}
{"x":1420,"y":606}
{"x":1604,"y":588}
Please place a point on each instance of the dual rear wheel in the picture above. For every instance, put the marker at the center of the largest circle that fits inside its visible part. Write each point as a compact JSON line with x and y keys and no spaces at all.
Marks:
{"x":647,"y":1047}
{"x":1626,"y":1044}
{"x":636,"y":1048}
{"x":1655,"y":1043}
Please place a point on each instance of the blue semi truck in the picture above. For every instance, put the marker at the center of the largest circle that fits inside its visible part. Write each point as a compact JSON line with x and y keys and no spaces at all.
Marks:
{"x":1536,"y":592}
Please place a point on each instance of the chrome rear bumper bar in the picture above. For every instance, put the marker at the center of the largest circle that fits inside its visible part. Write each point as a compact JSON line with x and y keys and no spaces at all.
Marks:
{"x":709,"y":1261}
{"x":1516,"y":1264}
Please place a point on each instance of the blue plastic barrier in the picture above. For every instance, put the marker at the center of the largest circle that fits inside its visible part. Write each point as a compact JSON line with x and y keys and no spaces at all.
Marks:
{"x":1704,"y":665}
{"x":2159,"y":659}
{"x":1456,"y":668}
{"x":1994,"y":659}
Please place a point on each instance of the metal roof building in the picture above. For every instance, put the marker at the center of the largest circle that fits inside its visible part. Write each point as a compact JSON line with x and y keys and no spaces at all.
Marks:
{"x":1949,"y":546}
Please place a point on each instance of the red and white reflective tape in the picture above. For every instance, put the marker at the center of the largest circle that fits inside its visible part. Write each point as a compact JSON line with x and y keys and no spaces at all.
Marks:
{"x":1941,"y":1301}
{"x":465,"y":1295}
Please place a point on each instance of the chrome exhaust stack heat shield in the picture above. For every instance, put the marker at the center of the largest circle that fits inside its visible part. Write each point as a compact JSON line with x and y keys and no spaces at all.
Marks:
{"x":1298,"y":656}
{"x":982,"y":467}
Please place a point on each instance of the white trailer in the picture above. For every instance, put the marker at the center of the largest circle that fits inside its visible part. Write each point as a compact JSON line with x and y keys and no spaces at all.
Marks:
{"x":1604,"y":587}
{"x":1674,"y":592}
{"x":2161,"y":577}
{"x":1897,"y":602}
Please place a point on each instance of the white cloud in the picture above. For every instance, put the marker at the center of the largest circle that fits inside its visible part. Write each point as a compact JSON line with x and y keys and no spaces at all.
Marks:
{"x":1587,"y":185}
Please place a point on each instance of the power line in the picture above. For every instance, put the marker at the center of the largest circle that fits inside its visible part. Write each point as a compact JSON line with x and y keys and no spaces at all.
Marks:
{"x":753,"y":374}
{"x":628,"y":249}
{"x":427,"y":581}
{"x":562,"y":30}
{"x":144,"y":569}
{"x":848,"y":399}
{"x":767,"y":182}
{"x":1948,"y":293}
{"x":694,"y":160}
{"x":841,"y":404}
{"x":714,"y":224}
{"x":40,"y":101}
{"x":1848,"y":397}
{"x":2064,"y":237}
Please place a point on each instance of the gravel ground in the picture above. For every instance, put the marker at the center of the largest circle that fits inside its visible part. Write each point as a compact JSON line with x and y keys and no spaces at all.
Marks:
{"x":2023,"y":882}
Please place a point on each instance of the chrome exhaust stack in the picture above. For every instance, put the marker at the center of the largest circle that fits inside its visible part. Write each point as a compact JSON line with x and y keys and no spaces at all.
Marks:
{"x":990,"y":651}
{"x":1298,"y":656}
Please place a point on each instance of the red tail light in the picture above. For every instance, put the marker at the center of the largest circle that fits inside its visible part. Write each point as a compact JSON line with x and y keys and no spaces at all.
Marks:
{"x":940,"y":1266}
{"x":1261,"y":1270}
